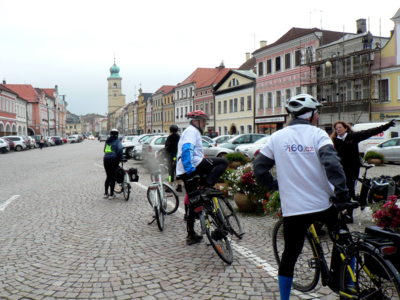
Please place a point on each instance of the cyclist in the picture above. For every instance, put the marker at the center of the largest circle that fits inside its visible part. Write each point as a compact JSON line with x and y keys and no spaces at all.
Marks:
{"x":191,"y":161}
{"x":112,"y":157}
{"x":309,"y":174}
{"x":171,"y":147}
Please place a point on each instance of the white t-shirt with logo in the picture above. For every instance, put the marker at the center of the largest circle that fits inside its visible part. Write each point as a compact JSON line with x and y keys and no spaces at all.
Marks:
{"x":190,"y":135}
{"x":303,"y":185}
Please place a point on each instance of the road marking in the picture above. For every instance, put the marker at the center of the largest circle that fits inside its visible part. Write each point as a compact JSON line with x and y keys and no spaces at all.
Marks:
{"x":258,"y":261}
{"x":7,"y":202}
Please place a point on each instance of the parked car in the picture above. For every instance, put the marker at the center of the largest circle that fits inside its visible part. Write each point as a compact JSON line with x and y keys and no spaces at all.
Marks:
{"x":156,"y":143}
{"x":136,"y":151}
{"x":390,"y":150}
{"x":209,"y":140}
{"x":251,"y":150}
{"x":4,"y":146}
{"x":102,"y":137}
{"x":28,"y":142}
{"x":57,"y":140}
{"x":73,"y":139}
{"x":19,"y":142}
{"x":241,"y":139}
{"x":33,"y":142}
{"x":10,"y":143}
{"x":222,"y":139}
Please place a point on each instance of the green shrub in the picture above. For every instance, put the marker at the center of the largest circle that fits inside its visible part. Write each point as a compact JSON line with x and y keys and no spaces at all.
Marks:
{"x":236,"y":156}
{"x":372,"y":154}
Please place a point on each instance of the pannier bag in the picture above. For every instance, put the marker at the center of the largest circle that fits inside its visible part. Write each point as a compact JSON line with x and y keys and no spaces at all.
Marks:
{"x":120,"y":175}
{"x":133,"y":175}
{"x":381,"y":188}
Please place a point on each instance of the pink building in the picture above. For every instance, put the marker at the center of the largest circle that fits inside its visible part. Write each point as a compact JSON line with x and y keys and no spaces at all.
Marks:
{"x":282,"y":73}
{"x":8,"y":99}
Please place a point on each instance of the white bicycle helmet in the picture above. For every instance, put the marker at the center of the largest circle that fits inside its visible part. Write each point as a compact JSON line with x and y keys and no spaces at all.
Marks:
{"x":302,"y":103}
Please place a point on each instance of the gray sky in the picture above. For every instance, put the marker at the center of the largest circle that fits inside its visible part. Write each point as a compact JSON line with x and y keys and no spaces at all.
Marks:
{"x":156,"y":42}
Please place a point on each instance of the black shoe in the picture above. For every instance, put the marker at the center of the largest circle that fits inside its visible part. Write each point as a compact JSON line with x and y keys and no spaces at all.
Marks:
{"x":193,"y":238}
{"x":179,"y":188}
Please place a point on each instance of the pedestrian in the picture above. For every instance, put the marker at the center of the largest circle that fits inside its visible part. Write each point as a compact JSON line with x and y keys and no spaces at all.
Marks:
{"x":171,"y":149}
{"x":309,"y":174}
{"x":112,"y":157}
{"x":41,"y":142}
{"x":191,"y":162}
{"x":346,"y":142}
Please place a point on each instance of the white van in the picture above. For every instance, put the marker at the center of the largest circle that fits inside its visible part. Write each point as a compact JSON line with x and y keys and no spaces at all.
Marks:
{"x":376,"y":139}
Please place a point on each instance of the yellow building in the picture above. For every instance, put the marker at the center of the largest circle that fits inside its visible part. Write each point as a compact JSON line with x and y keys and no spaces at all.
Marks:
{"x":142,"y":110}
{"x":386,"y":82}
{"x":168,"y":107}
{"x":234,"y":103}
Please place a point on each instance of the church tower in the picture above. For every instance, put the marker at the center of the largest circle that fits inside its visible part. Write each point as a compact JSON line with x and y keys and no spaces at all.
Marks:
{"x":115,"y":97}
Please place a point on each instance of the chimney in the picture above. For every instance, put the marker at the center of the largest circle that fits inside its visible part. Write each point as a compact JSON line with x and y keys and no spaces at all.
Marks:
{"x":247,"y":56}
{"x":4,"y":81}
{"x":56,"y":88}
{"x":263,"y":44}
{"x":361,"y":25}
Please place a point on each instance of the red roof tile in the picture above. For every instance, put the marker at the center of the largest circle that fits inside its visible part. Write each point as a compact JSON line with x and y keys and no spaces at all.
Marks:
{"x":295,"y":32}
{"x":205,"y":76}
{"x":4,"y":88}
{"x":219,"y":73}
{"x":49,"y":92}
{"x":165,"y":89}
{"x":24,"y":91}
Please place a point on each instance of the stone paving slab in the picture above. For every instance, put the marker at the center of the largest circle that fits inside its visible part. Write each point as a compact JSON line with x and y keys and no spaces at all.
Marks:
{"x":61,"y":240}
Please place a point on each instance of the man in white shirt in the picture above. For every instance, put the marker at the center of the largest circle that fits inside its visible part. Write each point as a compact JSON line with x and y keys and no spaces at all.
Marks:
{"x":309,"y":174}
{"x":191,"y":161}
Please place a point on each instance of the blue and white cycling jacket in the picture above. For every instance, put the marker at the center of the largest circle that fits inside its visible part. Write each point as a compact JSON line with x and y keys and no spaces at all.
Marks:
{"x":190,"y":151}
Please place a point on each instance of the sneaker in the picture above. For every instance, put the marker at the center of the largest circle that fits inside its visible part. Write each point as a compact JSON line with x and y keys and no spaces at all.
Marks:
{"x":112,"y":197}
{"x":193,"y":238}
{"x":105,"y":196}
{"x":179,"y":188}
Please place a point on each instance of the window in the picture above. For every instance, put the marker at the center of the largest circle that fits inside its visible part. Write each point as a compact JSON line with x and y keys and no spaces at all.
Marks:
{"x":206,"y":108}
{"x":235,"y":105}
{"x":219,"y":130}
{"x":219,"y":107}
{"x":260,"y":69}
{"x":249,"y":103}
{"x":230,"y":105}
{"x":309,"y":54}
{"x":241,"y":103}
{"x":186,"y":110}
{"x":242,"y":129}
{"x":278,"y":99}
{"x":269,"y":100}
{"x":225,"y":106}
{"x":261,"y":101}
{"x":277,"y":63}
{"x":383,"y":86}
{"x":181,"y":112}
{"x":225,"y":130}
{"x":249,"y":129}
{"x":298,"y":90}
{"x":288,"y":94}
{"x":297,"y":58}
{"x":287,"y":61}
{"x":233,"y":82}
{"x":211,"y":109}
{"x":269,"y":66}
{"x":197,"y":107}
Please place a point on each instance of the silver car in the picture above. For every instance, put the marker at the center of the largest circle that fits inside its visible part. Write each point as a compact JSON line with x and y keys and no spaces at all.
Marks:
{"x":389,"y":149}
{"x":222,"y":139}
{"x":251,"y":150}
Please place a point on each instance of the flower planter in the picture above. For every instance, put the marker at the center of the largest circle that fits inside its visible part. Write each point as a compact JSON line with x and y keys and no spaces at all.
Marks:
{"x":244,"y":202}
{"x":375,"y":161}
{"x":234,"y":165}
{"x":223,"y":187}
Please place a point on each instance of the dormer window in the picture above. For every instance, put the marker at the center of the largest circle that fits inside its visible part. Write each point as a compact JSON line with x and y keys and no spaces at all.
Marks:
{"x":233,"y":82}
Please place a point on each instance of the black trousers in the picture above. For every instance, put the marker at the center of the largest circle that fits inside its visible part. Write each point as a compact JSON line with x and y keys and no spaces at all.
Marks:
{"x":294,"y":232}
{"x":214,"y":167}
{"x":110,"y":165}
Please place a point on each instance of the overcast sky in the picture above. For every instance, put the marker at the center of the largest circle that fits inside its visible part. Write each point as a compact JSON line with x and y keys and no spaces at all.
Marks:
{"x":72,"y":43}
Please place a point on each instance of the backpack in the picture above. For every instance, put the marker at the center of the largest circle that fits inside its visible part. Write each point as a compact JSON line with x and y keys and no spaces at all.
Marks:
{"x":381,"y":188}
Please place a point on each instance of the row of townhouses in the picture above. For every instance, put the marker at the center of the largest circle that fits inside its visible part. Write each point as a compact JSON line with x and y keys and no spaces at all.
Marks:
{"x":355,"y":75}
{"x":87,"y":124}
{"x":25,"y":110}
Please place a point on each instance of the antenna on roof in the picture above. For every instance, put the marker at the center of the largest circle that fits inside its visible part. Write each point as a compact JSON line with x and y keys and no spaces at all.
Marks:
{"x":114,"y":58}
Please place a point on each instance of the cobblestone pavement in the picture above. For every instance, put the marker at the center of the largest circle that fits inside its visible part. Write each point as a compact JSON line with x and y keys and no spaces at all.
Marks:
{"x":61,"y":240}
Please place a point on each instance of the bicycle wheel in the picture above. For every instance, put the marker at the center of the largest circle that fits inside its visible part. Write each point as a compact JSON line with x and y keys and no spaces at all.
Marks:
{"x":172,"y":199}
{"x":160,"y":215}
{"x":217,"y":236}
{"x":306,"y":274}
{"x":376,"y":278}
{"x":231,"y":217}
{"x":126,"y":187}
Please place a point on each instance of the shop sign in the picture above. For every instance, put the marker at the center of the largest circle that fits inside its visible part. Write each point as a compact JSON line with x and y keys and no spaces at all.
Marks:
{"x":270,"y":120}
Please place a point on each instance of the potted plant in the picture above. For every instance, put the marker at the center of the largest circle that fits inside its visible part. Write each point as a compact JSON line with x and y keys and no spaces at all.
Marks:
{"x":388,"y":216}
{"x":373,"y":157}
{"x":236,"y":159}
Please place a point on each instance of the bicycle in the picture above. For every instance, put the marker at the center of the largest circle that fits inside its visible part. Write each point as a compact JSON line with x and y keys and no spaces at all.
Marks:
{"x":125,"y":183}
{"x":159,"y":193}
{"x":365,"y":268}
{"x":217,"y":219}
